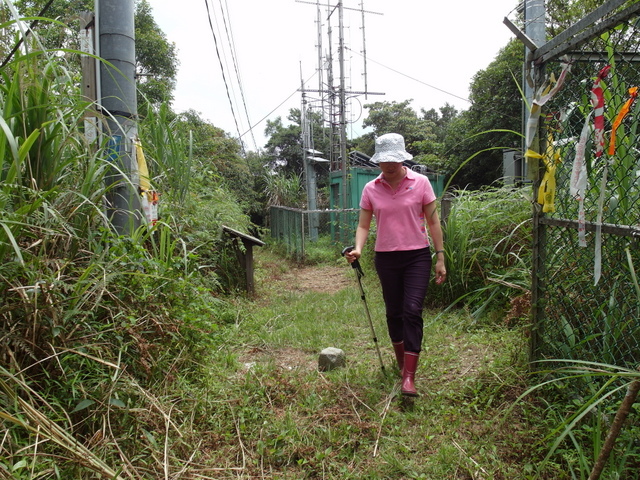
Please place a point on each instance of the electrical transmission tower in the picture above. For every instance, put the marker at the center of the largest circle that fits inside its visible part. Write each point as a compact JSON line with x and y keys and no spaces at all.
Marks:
{"x":334,"y":98}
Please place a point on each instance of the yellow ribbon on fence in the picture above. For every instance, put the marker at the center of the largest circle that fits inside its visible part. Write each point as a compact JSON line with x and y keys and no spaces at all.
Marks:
{"x":547,"y":189}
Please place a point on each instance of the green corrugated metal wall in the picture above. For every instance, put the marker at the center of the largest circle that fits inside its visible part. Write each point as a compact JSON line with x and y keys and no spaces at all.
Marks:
{"x":358,"y":178}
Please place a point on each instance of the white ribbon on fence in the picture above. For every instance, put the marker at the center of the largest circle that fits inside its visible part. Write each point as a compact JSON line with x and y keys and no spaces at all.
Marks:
{"x":579,"y":180}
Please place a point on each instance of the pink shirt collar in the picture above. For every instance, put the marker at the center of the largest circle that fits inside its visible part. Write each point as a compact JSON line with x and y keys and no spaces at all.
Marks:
{"x":410,"y":175}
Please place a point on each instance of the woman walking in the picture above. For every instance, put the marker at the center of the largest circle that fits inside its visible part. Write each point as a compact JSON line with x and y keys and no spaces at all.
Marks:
{"x":404,"y":204}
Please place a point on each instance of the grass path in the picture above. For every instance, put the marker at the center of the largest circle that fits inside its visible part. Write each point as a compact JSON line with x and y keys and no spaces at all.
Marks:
{"x":291,"y":421}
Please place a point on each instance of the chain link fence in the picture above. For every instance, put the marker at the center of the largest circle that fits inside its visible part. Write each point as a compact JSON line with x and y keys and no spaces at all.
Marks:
{"x":297,"y":229}
{"x":587,"y":227}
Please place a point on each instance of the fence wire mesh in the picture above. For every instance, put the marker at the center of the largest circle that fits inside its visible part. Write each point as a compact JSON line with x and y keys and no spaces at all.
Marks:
{"x":299,"y":229}
{"x":580,"y":316}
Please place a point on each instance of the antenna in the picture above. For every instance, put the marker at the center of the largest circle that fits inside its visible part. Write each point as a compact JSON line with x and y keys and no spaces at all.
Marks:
{"x":337,"y":95}
{"x":364,"y":50}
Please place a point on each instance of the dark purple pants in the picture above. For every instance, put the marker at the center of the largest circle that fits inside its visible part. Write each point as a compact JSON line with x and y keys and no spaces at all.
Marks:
{"x":404,"y":277}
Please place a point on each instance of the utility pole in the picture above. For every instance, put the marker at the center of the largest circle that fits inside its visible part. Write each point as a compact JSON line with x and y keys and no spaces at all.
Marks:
{"x":117,"y":99}
{"x":535,"y":29}
{"x":364,"y":51}
{"x":338,"y":160}
{"x":310,"y":158}
{"x":534,"y":12}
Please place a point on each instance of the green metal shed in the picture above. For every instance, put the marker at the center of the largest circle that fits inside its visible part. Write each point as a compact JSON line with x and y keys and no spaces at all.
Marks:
{"x":357,"y":178}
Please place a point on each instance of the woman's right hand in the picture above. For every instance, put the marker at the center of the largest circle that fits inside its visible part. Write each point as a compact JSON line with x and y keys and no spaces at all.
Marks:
{"x":352,"y":255}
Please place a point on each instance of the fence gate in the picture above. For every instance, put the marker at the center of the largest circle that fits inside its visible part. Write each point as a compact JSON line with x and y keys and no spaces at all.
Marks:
{"x":585,"y":154}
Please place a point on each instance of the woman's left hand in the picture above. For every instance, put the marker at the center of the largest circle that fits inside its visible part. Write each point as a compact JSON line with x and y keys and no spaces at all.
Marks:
{"x":441,"y":272}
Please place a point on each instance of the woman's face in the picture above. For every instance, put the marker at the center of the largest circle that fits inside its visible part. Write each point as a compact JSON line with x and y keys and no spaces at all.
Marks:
{"x":391,"y":169}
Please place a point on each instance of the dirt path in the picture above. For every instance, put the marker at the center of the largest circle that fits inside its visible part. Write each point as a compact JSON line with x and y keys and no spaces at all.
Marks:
{"x":325,"y":279}
{"x":309,"y":278}
{"x":330,"y":279}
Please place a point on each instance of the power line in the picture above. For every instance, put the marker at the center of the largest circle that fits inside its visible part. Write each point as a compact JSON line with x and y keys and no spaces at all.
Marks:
{"x":22,"y":38}
{"x":412,"y":78}
{"x":226,"y":52}
{"x":276,"y":108}
{"x":224,"y":78}
{"x":234,"y":58}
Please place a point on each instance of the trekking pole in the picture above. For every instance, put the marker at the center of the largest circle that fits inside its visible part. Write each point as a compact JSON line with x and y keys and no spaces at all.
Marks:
{"x":359,"y":274}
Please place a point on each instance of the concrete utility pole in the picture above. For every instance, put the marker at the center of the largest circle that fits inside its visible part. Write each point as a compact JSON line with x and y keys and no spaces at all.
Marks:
{"x":535,"y":29}
{"x":117,"y":98}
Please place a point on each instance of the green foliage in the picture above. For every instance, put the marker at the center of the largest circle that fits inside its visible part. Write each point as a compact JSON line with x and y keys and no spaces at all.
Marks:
{"x":284,"y":147}
{"x":93,"y":327}
{"x":488,"y":251}
{"x":284,"y":190}
{"x":583,"y":398}
{"x":561,"y":14}
{"x":322,"y":251}
{"x":399,"y":117}
{"x":156,"y":59}
{"x":290,"y":418}
{"x":496,"y":110}
{"x":168,"y":152}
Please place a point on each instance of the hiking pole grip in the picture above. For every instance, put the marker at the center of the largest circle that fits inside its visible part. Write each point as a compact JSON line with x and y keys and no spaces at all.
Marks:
{"x":355,"y":264}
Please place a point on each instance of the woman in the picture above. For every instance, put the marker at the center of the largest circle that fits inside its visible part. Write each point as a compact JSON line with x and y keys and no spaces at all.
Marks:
{"x":402,"y":202}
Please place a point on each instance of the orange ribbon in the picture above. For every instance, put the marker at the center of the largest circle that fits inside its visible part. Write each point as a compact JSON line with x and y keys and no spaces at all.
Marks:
{"x":633,"y":93}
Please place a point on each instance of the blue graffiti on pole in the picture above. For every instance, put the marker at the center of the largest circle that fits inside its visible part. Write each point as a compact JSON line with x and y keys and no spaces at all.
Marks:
{"x":114,"y":148}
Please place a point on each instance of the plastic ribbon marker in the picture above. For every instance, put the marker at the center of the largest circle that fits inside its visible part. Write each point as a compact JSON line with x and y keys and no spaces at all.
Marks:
{"x":148,"y":198}
{"x":624,"y":110}
{"x":579,"y":182}
{"x":542,"y":97}
{"x":547,"y":189}
{"x":597,"y":101}
{"x":633,"y":94}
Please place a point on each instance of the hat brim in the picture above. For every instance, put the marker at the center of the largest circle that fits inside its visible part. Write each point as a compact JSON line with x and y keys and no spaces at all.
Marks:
{"x":390,"y":157}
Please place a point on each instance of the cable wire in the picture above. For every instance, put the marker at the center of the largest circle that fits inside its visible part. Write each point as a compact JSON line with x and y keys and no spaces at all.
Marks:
{"x":22,"y":39}
{"x":276,"y":108}
{"x":234,"y":58}
{"x":412,"y":78}
{"x":224,"y":78}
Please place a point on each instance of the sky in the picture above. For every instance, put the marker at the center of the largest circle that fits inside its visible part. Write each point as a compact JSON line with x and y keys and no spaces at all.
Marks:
{"x":426,"y":51}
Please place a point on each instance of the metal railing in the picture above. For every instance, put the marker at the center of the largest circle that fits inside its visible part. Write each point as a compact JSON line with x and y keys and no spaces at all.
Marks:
{"x":297,"y":228}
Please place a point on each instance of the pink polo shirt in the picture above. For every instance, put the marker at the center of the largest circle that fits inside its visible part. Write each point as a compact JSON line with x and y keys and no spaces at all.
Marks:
{"x":399,"y":217}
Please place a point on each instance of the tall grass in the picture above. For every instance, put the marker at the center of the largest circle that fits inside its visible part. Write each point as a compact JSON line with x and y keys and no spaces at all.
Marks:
{"x":96,"y":330}
{"x":169,"y":150}
{"x":488,"y":251}
{"x":588,"y":435}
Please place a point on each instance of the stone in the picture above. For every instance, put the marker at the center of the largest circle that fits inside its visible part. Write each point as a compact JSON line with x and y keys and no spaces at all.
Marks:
{"x":331,"y":358}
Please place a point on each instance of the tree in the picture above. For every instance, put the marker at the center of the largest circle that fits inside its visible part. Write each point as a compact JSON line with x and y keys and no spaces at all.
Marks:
{"x":440,"y":120}
{"x":424,"y":135}
{"x":432,"y":151}
{"x":399,"y":117}
{"x":561,"y":14}
{"x":496,"y":106}
{"x":156,"y":58}
{"x":284,"y":147}
{"x":218,"y":159}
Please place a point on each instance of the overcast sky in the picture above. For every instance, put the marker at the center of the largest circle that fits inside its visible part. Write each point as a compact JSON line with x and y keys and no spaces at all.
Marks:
{"x":425,"y":50}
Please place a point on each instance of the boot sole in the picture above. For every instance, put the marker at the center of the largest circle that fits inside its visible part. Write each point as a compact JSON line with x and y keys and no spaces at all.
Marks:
{"x":410,"y":394}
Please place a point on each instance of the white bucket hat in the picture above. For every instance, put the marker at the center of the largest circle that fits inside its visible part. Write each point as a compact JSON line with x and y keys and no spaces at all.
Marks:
{"x":390,"y":148}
